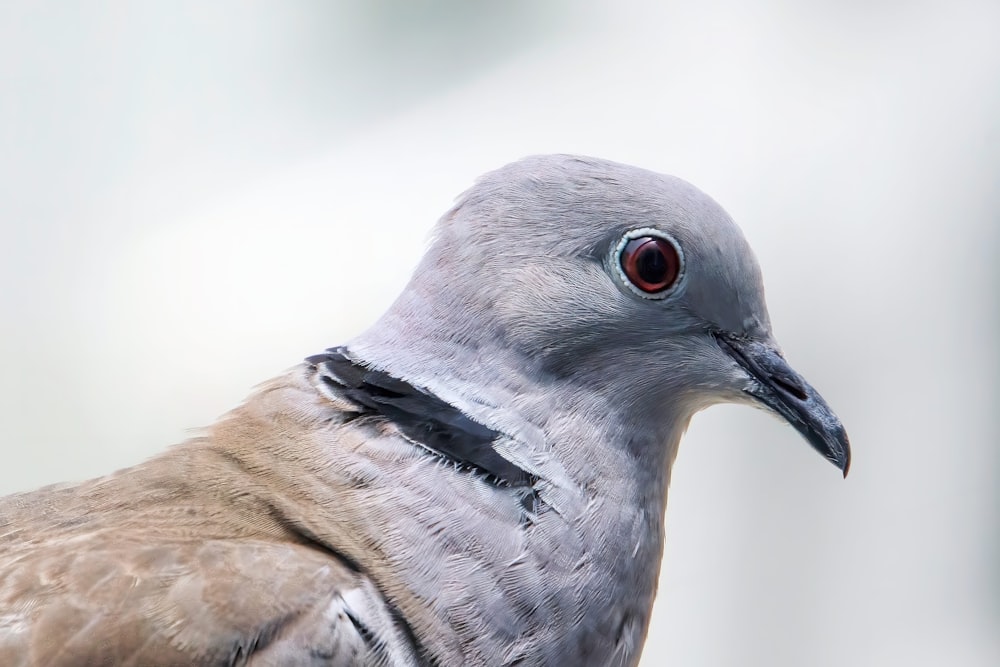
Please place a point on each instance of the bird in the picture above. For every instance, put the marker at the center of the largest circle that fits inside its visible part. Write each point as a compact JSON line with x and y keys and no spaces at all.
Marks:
{"x":479,"y":478}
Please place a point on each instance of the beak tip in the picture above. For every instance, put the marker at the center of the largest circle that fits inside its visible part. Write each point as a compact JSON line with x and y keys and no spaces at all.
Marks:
{"x":842,"y":453}
{"x":832,"y":442}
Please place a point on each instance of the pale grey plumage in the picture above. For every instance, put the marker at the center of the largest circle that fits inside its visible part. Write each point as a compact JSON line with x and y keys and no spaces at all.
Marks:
{"x":359,"y":510}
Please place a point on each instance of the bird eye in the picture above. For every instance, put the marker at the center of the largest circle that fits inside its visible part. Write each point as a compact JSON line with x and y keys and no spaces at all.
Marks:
{"x":650,"y":262}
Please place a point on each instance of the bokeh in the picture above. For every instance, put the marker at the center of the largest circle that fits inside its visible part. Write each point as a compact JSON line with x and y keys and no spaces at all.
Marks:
{"x":194,"y":196}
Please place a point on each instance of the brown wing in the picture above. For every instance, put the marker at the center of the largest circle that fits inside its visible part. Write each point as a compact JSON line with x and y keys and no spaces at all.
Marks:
{"x":207,"y":603}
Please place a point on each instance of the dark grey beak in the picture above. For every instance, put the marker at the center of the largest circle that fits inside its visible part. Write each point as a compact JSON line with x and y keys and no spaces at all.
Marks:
{"x":784,"y":391}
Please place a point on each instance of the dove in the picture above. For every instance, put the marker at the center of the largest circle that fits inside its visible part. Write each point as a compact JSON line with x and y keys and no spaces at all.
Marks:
{"x":479,"y":478}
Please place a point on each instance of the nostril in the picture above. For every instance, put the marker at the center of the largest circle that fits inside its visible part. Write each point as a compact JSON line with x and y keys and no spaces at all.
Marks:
{"x":790,"y":386}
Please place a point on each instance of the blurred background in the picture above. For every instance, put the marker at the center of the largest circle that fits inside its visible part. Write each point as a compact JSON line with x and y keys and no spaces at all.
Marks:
{"x":190,"y":194}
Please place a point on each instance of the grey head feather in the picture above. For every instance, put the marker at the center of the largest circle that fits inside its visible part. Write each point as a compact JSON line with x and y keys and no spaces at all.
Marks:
{"x":516,"y":292}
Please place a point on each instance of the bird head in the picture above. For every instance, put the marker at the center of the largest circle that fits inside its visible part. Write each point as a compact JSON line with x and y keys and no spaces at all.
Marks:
{"x":596,"y":274}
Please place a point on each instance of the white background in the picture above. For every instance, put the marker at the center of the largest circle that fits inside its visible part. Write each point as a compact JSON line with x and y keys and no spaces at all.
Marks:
{"x":194,"y":196}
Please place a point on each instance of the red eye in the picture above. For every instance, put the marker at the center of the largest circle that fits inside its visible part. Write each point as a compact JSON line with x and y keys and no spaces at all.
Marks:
{"x":650,"y":263}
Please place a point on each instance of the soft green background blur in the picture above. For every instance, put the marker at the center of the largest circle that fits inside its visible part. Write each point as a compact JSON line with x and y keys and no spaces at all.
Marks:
{"x":194,"y":196}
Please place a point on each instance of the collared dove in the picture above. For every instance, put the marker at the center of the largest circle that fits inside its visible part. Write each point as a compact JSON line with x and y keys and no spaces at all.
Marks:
{"x":478,"y":479}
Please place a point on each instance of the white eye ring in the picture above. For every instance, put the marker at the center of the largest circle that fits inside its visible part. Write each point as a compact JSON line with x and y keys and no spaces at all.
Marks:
{"x":648,"y":262}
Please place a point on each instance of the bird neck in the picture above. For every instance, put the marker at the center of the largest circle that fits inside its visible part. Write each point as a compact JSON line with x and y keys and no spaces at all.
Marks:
{"x":591,"y":546}
{"x":578,"y":436}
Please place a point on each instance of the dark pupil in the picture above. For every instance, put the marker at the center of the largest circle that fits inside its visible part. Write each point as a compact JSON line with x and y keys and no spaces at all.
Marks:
{"x":652,"y":264}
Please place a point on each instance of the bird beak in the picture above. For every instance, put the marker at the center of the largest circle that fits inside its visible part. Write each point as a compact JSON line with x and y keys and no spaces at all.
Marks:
{"x":778,"y":387}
